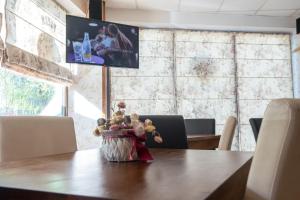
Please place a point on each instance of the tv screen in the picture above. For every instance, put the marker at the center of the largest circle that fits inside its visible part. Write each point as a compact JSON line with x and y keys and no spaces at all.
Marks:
{"x":91,"y":41}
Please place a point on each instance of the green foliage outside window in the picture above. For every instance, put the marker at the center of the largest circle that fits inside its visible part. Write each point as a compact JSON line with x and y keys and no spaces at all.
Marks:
{"x":21,"y":95}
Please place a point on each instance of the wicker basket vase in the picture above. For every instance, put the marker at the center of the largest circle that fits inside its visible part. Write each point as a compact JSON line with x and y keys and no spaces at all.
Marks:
{"x":118,"y":147}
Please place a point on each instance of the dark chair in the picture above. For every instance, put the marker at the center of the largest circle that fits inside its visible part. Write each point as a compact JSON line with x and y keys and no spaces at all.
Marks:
{"x":171,"y":129}
{"x":200,"y":126}
{"x":255,"y":125}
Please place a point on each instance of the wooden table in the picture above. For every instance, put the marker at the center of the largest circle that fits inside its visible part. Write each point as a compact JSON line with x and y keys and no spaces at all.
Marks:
{"x":174,"y":174}
{"x":203,"y":141}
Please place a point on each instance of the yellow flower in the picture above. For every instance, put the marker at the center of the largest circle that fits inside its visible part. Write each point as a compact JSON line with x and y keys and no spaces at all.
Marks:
{"x":148,"y":122}
{"x":134,"y":117}
{"x":99,"y":130}
{"x":150,"y":128}
{"x":135,"y":123}
{"x":158,"y":139}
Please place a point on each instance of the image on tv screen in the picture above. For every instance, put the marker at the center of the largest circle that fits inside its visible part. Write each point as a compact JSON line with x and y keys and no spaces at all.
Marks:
{"x":97,"y":42}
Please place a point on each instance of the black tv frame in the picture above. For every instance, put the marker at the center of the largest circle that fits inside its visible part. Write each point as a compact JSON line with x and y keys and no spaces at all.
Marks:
{"x":298,"y":25}
{"x":91,"y":20}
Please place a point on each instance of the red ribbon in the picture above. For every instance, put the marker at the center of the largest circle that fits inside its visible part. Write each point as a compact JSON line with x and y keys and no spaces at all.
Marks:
{"x":139,"y":145}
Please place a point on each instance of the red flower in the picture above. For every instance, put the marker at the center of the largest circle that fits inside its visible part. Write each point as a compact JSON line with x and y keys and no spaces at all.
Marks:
{"x":114,"y":127}
{"x":121,"y":105}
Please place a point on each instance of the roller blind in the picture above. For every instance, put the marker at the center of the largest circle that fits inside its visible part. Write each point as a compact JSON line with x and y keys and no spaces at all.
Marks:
{"x":35,"y":39}
{"x":149,"y":90}
{"x":29,"y":64}
{"x":264,"y":73}
{"x":207,"y":74}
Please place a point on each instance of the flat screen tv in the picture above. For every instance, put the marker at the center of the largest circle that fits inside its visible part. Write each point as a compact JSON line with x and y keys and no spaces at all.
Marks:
{"x":91,"y":41}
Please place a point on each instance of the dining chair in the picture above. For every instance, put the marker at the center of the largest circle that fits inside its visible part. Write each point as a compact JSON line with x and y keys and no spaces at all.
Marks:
{"x":255,"y":125}
{"x":171,"y":129}
{"x":34,"y":136}
{"x":274,"y":172}
{"x":228,"y":133}
{"x":200,"y":126}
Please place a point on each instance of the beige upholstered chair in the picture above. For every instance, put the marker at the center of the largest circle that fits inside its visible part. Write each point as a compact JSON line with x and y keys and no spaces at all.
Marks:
{"x":275,"y":169}
{"x":26,"y":137}
{"x":228,"y":133}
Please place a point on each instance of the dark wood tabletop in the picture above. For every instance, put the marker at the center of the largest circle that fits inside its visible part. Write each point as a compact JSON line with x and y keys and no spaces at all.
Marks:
{"x":174,"y":174}
{"x":203,"y":141}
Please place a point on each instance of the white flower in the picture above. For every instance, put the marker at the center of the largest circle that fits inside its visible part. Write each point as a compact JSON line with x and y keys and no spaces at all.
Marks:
{"x":139,"y":130}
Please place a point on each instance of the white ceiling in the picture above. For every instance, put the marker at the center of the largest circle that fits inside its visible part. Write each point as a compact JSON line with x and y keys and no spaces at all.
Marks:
{"x":282,"y":8}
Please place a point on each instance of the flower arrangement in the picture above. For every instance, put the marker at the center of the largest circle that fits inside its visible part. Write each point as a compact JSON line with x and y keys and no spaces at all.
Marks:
{"x":123,"y":139}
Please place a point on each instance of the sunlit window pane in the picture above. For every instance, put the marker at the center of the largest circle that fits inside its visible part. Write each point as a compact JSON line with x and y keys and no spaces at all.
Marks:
{"x":23,"y":95}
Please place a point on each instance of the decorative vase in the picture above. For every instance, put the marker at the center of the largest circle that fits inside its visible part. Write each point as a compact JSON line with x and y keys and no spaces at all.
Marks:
{"x":118,"y":147}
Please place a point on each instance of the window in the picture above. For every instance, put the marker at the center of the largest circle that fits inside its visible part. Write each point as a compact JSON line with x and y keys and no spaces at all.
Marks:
{"x":207,"y":74}
{"x":264,"y":73}
{"x":22,"y":95}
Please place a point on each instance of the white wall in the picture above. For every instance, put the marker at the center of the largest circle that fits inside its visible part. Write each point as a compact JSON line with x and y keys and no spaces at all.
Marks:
{"x":85,"y":103}
{"x":181,"y":20}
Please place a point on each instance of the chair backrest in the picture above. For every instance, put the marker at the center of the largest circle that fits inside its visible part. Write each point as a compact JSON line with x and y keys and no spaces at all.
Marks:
{"x":33,"y":136}
{"x":227,"y":134}
{"x":274,"y":172}
{"x":255,"y":125}
{"x":200,"y":126}
{"x":172,"y":130}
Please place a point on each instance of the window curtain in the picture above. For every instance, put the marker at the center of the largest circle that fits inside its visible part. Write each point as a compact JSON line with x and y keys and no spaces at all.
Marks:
{"x":34,"y":43}
{"x":150,"y":89}
{"x":207,"y":74}
{"x":29,"y":64}
{"x":264,"y":73}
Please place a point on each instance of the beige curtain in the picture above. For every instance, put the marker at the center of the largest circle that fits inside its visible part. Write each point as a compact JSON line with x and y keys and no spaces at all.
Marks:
{"x":29,"y":64}
{"x":17,"y":36}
